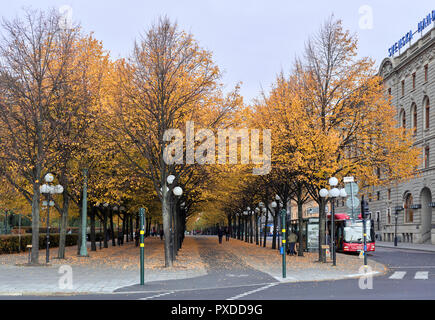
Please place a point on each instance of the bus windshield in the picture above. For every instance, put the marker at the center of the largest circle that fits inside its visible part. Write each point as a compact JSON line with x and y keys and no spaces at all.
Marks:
{"x":353,"y":231}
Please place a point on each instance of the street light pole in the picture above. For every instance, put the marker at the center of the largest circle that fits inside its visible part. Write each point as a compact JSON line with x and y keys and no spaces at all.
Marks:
{"x":47,"y":235}
{"x":333,"y":194}
{"x":333,"y":232}
{"x":142,"y":246}
{"x":283,"y":248}
{"x":49,"y":190}
{"x":396,"y":215}
{"x":83,"y":249}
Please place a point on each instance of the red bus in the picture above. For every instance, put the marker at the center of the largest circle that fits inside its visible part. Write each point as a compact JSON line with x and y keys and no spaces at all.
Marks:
{"x":348,"y":234}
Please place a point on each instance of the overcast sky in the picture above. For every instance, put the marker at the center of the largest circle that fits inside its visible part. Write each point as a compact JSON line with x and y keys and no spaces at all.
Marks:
{"x":251,"y":40}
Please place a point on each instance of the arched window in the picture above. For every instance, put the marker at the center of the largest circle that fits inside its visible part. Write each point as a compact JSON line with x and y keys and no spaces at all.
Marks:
{"x":402,"y":119}
{"x":414,"y":117}
{"x":409,"y":213}
{"x":426,"y":112}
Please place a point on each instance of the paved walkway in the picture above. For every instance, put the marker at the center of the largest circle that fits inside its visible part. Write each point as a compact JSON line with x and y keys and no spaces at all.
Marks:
{"x":201,"y":263}
{"x":409,"y":246}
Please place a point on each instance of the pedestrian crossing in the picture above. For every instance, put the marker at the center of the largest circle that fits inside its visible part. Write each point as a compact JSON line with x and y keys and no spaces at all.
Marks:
{"x":419,"y":275}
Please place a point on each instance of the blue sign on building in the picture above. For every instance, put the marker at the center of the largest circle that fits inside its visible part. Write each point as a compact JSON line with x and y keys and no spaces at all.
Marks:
{"x":408,"y":36}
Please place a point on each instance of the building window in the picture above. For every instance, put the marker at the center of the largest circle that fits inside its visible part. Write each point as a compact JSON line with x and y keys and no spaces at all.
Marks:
{"x":409,"y":213}
{"x":389,"y":194}
{"x":426,"y":73}
{"x":414,"y":117}
{"x":427,"y":112}
{"x":403,"y":118}
{"x":378,"y":172}
{"x":403,"y":88}
{"x":388,"y":215}
{"x":413,"y":80}
{"x":426,"y":157}
{"x":378,"y":195}
{"x":389,"y":91}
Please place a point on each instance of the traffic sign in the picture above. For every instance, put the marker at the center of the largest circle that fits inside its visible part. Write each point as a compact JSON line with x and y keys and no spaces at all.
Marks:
{"x":352,"y":202}
{"x":348,"y":179}
{"x":351,"y":188}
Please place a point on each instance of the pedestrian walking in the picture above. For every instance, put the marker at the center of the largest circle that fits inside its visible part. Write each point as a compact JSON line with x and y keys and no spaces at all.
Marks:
{"x":136,"y":237}
{"x":220,"y":234}
{"x":227,"y":234}
{"x":161,"y":234}
{"x":292,"y":239}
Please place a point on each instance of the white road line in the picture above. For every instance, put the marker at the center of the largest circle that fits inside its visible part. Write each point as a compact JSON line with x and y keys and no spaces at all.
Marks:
{"x":253,"y":291}
{"x":413,"y":267}
{"x":157,"y":295}
{"x":398,"y":275}
{"x":421,"y":275}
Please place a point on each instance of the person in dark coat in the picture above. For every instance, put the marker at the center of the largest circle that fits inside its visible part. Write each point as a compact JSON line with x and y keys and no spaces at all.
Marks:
{"x":161,"y":234}
{"x":136,"y":237}
{"x":220,"y":234}
{"x":227,"y":234}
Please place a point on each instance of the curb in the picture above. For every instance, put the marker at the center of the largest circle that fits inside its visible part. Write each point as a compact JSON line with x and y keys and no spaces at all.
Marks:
{"x":402,"y":248}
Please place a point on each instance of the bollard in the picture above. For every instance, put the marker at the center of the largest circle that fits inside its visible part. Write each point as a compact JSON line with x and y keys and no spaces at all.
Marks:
{"x":30,"y":251}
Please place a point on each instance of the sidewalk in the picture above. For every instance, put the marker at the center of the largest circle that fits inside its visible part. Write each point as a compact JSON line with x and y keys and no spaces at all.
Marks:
{"x":306,"y":268}
{"x":103,"y":271}
{"x":201,"y":263}
{"x":408,"y":246}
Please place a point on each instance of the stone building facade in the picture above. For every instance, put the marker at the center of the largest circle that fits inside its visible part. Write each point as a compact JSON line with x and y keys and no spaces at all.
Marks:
{"x":410,"y":80}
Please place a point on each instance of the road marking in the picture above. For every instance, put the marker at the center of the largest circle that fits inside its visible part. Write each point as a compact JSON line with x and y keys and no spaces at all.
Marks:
{"x":253,"y":291}
{"x":413,"y":267}
{"x":397,"y":275}
{"x":421,"y":275}
{"x":157,"y":295}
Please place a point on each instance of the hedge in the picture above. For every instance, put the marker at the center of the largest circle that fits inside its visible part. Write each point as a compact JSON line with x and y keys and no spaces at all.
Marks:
{"x":11,"y":243}
{"x":28,"y":229}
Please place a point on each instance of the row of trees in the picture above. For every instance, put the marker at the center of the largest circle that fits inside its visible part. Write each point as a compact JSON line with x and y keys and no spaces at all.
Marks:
{"x":330,"y":117}
{"x":66,"y":107}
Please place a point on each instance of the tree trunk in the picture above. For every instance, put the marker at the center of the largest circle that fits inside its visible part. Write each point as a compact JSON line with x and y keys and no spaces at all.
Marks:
{"x":112,"y":231}
{"x":266,"y":221}
{"x":63,"y":224}
{"x":256,"y":228}
{"x":275,"y":224}
{"x":131,"y":228}
{"x":300,"y":220}
{"x":92,"y":236}
{"x":79,"y":244}
{"x":238,"y":229}
{"x":251,"y":230}
{"x":34,"y":259}
{"x":322,"y":231}
{"x":166,"y":214}
{"x":105,"y":234}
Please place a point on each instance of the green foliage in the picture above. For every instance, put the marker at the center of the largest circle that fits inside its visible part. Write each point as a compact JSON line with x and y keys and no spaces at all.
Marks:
{"x":14,"y":243}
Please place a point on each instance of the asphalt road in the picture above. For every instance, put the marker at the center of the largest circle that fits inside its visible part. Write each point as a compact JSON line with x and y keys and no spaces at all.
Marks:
{"x":411,"y":276}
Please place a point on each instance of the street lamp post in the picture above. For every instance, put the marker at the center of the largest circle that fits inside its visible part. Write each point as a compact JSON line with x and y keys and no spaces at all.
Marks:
{"x":48,"y":189}
{"x":245,"y":225}
{"x":177,"y":191}
{"x":333,"y":194}
{"x":83,"y":249}
{"x":274,"y":205}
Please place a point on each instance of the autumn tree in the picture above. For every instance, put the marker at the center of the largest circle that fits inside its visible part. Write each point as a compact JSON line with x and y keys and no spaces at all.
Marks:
{"x":331,"y":118}
{"x":29,"y":86}
{"x":167,"y":81}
